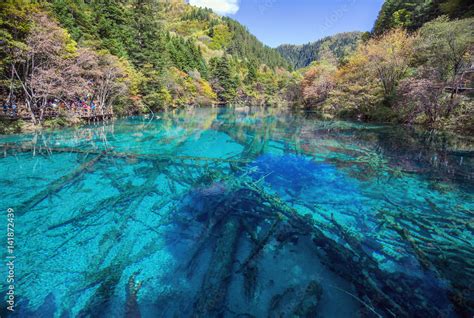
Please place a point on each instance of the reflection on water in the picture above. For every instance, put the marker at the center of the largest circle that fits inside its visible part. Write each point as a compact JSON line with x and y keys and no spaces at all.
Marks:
{"x":240,"y":213}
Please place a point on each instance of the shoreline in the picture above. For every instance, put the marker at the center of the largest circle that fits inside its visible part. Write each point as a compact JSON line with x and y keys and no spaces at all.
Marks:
{"x":20,"y":126}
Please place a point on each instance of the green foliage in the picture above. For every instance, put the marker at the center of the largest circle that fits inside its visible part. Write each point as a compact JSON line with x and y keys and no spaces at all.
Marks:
{"x":251,"y":76}
{"x":201,"y":14}
{"x":412,"y":14}
{"x":11,"y":126}
{"x":223,"y":82}
{"x":244,"y":45}
{"x":55,"y":122}
{"x":159,"y":99}
{"x":161,"y":54}
{"x":14,"y":27}
{"x":220,"y":35}
{"x":160,"y":39}
{"x":444,"y":45}
{"x":340,"y":45}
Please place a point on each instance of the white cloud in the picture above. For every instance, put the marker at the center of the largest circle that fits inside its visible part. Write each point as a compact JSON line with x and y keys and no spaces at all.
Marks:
{"x":219,"y":6}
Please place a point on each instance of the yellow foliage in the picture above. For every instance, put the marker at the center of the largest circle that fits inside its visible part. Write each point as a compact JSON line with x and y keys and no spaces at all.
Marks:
{"x":387,"y":57}
{"x":207,"y":90}
{"x":134,"y":77}
{"x":221,"y":37}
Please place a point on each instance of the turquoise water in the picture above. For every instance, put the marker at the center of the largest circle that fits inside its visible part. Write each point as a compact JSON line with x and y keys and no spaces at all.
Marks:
{"x":239,"y":213}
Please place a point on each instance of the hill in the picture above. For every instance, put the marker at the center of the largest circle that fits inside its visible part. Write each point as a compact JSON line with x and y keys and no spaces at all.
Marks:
{"x":339,"y":46}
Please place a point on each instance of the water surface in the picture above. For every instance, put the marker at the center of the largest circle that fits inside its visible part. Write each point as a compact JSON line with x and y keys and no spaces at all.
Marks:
{"x":240,"y":213}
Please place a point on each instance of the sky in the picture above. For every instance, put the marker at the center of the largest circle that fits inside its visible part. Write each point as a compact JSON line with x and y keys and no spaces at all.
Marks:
{"x":276,"y":22}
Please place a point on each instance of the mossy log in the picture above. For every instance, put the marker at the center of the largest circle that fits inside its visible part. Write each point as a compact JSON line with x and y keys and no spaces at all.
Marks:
{"x":114,"y":154}
{"x":393,"y":295}
{"x":211,"y":299}
{"x":260,"y":245}
{"x":57,"y":185}
{"x":297,"y":302}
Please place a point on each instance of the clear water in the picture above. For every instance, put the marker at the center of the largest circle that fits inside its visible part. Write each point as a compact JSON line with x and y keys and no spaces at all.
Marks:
{"x":239,"y":213}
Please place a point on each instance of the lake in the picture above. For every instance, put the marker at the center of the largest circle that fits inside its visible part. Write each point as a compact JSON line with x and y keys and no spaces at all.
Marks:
{"x":239,"y":212}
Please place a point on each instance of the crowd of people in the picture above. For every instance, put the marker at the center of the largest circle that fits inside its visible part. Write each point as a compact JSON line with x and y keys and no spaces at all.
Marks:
{"x":10,"y":108}
{"x":85,"y":106}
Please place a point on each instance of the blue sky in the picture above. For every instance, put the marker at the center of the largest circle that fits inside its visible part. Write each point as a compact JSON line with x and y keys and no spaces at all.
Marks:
{"x":276,"y":22}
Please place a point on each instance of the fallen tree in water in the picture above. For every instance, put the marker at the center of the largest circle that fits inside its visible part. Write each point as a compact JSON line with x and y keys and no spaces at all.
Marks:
{"x":382,"y":294}
{"x":239,"y":212}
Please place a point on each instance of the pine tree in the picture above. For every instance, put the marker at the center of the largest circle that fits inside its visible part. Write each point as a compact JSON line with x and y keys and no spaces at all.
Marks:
{"x":251,"y":73}
{"x":224,"y":82}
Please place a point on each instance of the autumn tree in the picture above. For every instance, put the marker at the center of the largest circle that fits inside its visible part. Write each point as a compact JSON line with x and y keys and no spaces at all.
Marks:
{"x":388,"y":58}
{"x":108,"y":77}
{"x":45,"y":67}
{"x":366,"y":84}
{"x":445,"y":46}
{"x":421,"y":101}
{"x":357,"y":93}
{"x":317,"y":82}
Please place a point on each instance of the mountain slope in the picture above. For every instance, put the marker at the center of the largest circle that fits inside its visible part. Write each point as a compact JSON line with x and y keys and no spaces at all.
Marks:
{"x":172,"y":43}
{"x":216,"y":33}
{"x":114,"y":24}
{"x":337,"y":46}
{"x":412,"y":14}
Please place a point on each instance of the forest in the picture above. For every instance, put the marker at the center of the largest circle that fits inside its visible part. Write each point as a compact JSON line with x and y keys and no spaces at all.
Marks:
{"x":340,"y":46}
{"x":66,"y":59}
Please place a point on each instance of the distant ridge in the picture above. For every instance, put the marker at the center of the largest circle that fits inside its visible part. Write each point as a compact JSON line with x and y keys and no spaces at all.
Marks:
{"x":339,"y":45}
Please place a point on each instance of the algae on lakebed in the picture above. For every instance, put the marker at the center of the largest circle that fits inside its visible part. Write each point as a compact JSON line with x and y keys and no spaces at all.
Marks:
{"x":272,"y":214}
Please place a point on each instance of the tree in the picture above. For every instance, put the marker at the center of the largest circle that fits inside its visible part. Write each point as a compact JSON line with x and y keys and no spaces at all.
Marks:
{"x":357,"y":92}
{"x":223,"y":81}
{"x":412,"y":14}
{"x":15,"y":25}
{"x":251,"y":76}
{"x":421,"y":96}
{"x":46,"y":67}
{"x":220,"y":35}
{"x":317,"y":83}
{"x":108,"y":76}
{"x":445,"y":46}
{"x":366,"y":84}
{"x":388,"y":58}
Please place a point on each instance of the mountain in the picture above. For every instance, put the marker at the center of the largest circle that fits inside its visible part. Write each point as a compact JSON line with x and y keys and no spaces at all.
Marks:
{"x":339,"y":46}
{"x":412,"y":14}
{"x":169,"y":41}
{"x":114,"y":25}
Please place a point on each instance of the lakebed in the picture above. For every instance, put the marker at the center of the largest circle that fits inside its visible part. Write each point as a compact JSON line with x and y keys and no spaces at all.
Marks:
{"x":224,"y":212}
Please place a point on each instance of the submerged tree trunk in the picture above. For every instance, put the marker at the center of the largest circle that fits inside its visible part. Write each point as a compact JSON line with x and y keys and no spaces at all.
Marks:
{"x":211,"y":298}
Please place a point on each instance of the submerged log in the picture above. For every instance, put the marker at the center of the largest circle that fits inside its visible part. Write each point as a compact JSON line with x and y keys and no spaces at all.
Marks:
{"x":211,"y":298}
{"x":297,"y":302}
{"x":98,"y":304}
{"x":121,"y":155}
{"x":131,"y":305}
{"x":388,"y":291}
{"x":260,"y":245}
{"x":57,"y":185}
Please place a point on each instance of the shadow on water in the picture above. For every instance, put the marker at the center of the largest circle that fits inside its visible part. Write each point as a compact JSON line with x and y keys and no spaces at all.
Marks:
{"x":243,"y":212}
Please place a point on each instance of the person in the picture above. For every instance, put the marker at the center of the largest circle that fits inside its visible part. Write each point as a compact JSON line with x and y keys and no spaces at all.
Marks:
{"x":85,"y":108}
{"x":5,"y":107}
{"x":14,"y":109}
